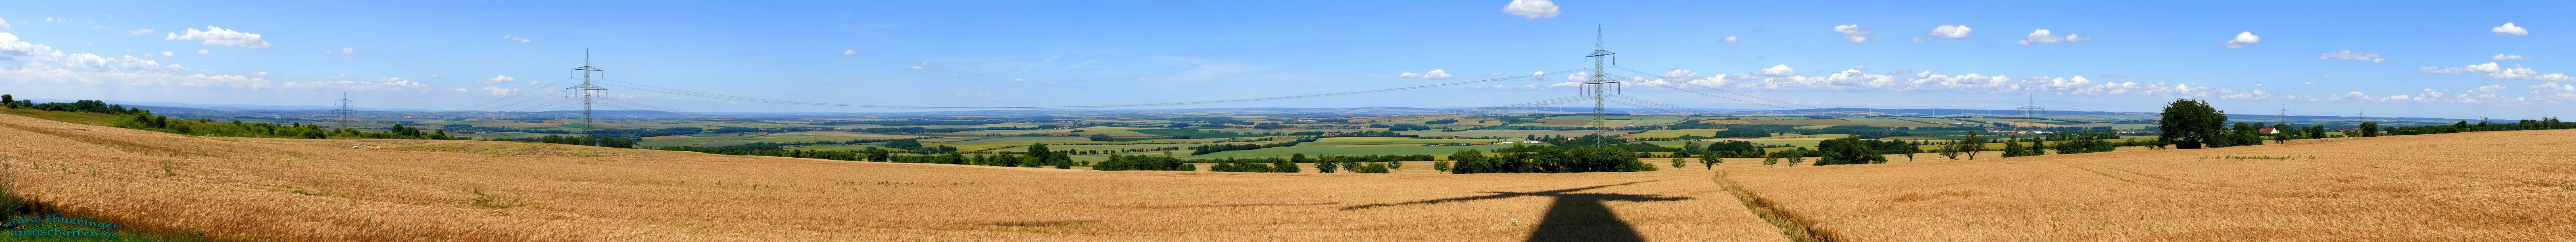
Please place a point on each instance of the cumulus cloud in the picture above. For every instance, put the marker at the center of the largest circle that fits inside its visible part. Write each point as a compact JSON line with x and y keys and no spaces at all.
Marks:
{"x":2349,"y":55}
{"x":497,"y":80}
{"x":2242,"y":39}
{"x":220,"y":37}
{"x":4,"y":24}
{"x":2042,"y":36}
{"x":1531,"y":9}
{"x":515,"y":38}
{"x":852,"y":52}
{"x":1854,"y":33}
{"x":1778,"y":70}
{"x":204,"y":52}
{"x":2510,"y":57}
{"x":1949,"y":32}
{"x":918,"y":67}
{"x":1434,"y":74}
{"x":2494,"y":71}
{"x":495,"y":91}
{"x":138,"y":32}
{"x":2509,"y":29}
{"x":1729,"y":40}
{"x":342,"y":51}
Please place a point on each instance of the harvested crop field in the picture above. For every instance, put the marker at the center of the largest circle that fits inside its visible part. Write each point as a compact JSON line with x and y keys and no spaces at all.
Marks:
{"x":415,"y":190}
{"x":2486,"y":186}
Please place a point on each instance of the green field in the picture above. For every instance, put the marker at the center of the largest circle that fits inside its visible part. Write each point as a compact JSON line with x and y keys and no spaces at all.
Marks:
{"x":1675,"y":133}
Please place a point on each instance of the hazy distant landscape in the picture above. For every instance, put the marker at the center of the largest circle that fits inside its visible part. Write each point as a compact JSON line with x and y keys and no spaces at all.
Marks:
{"x":1285,"y":121}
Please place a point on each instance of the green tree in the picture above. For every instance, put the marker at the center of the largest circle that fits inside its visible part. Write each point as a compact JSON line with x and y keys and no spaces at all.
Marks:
{"x":1677,"y":163}
{"x":1709,"y":162}
{"x":1470,"y":161}
{"x":2369,"y":129}
{"x":2013,"y":149}
{"x":1041,"y":154}
{"x":2282,"y":133}
{"x":1061,"y":160}
{"x":1442,"y":166}
{"x":1971,"y":144}
{"x":2191,"y":124}
{"x":1848,"y":150}
{"x":1326,"y":165}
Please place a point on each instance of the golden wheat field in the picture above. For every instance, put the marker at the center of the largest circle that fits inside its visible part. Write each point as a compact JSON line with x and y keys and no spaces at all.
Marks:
{"x":2487,"y":186}
{"x":2491,"y":186}
{"x":413,"y":190}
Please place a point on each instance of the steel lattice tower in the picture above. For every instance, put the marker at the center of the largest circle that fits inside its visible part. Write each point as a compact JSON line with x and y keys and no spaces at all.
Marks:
{"x":2285,"y":114}
{"x":586,"y":88}
{"x":2031,"y":112}
{"x":1599,"y":87}
{"x":344,"y":108}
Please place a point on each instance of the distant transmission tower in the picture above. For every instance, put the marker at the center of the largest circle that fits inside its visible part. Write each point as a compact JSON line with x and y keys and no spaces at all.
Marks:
{"x":344,"y":108}
{"x":1600,"y":93}
{"x":2285,"y":114}
{"x":586,"y":89}
{"x":2031,"y":112}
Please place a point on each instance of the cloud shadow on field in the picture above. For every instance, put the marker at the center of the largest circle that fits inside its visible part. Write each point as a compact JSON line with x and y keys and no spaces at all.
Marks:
{"x":1572,"y":217}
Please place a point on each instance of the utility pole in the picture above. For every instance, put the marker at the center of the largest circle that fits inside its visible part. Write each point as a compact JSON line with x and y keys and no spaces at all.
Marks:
{"x":587,"y":90}
{"x":1599,"y":87}
{"x":2285,"y":114}
{"x":2030,"y":112}
{"x":344,"y":108}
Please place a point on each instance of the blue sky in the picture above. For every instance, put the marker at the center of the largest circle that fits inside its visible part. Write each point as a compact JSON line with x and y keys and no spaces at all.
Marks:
{"x":2429,"y":59}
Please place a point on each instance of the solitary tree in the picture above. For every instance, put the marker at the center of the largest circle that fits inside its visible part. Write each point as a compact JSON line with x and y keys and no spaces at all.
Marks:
{"x":1709,"y":162}
{"x":2369,"y":129}
{"x":2191,"y":124}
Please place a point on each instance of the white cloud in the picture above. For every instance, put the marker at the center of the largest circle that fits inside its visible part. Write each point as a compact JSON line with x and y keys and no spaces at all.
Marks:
{"x":2510,"y":57}
{"x":2242,"y":39}
{"x":2349,"y":55}
{"x":1531,"y":9}
{"x":495,"y":91}
{"x":2042,"y":36}
{"x":204,"y":52}
{"x":2495,"y":71}
{"x":221,"y":37}
{"x":1018,"y":80}
{"x":1949,"y":32}
{"x":2308,"y":83}
{"x":342,"y":51}
{"x":4,"y":24}
{"x":138,"y":32}
{"x":1778,"y":70}
{"x":1435,"y":74}
{"x":64,"y":20}
{"x":2509,"y":29}
{"x":852,"y":52}
{"x":1729,"y":40}
{"x":515,"y":38}
{"x":918,"y":67}
{"x":165,"y":54}
{"x":497,"y":79}
{"x":1854,"y":33}
{"x":2489,"y":67}
{"x":1680,"y":74}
